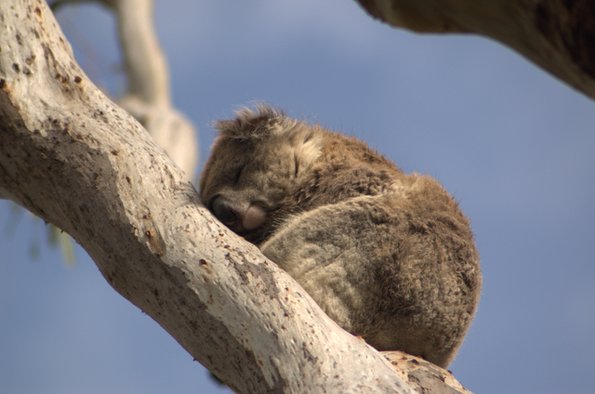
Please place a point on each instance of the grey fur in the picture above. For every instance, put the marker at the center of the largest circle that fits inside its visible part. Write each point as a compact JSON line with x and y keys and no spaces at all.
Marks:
{"x":388,"y":256}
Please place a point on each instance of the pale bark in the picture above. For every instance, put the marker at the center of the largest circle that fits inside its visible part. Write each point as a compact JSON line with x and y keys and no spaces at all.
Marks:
{"x":557,"y":35}
{"x":71,"y":156}
{"x":148,"y":97}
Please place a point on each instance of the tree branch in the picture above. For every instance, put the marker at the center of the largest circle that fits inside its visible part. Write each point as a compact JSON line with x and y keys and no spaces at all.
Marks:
{"x":71,"y":156}
{"x":148,"y":96}
{"x":557,"y":35}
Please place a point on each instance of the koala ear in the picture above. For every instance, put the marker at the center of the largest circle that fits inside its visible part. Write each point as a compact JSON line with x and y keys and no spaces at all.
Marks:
{"x":259,"y":123}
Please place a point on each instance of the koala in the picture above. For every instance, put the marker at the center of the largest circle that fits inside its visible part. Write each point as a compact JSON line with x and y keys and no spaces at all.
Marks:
{"x":389,"y":256}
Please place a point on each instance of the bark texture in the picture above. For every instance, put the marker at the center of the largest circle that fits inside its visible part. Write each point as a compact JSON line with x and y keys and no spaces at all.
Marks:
{"x":558,"y":35}
{"x":71,"y":156}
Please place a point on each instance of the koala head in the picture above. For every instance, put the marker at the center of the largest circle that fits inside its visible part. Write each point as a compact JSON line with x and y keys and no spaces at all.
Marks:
{"x":257,"y":165}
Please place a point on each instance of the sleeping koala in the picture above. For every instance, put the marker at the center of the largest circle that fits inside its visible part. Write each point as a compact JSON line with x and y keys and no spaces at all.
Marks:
{"x":389,"y":256}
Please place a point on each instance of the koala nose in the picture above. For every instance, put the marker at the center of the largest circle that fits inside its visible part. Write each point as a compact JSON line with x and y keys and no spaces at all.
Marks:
{"x":223,"y":210}
{"x":253,"y":218}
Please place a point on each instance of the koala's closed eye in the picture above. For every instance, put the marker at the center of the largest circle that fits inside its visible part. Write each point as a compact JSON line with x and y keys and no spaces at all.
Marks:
{"x":389,"y":256}
{"x":296,"y":165}
{"x":238,"y":174}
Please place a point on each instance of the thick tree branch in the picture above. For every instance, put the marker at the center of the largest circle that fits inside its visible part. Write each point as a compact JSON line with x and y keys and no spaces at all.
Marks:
{"x":71,"y":156}
{"x":557,"y":35}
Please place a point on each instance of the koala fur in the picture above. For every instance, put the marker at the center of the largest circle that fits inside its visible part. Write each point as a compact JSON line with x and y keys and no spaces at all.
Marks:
{"x":389,"y":256}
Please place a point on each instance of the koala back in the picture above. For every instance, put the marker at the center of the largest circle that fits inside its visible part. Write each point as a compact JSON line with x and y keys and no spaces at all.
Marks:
{"x":389,"y":256}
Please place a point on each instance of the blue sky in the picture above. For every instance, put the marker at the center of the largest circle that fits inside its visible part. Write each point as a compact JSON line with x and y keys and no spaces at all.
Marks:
{"x":514,"y":146}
